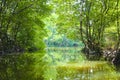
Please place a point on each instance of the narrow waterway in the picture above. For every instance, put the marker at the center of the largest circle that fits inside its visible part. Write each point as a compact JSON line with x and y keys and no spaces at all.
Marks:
{"x":70,"y":64}
{"x":88,"y":70}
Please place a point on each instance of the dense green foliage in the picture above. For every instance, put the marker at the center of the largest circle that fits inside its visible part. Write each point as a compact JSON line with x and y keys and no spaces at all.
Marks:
{"x":21,"y":25}
{"x":92,"y":21}
{"x":62,"y":42}
{"x":22,"y":30}
{"x":73,"y":27}
{"x":55,"y":38}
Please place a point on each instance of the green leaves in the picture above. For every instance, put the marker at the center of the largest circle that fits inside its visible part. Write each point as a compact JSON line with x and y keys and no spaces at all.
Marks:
{"x":95,"y":16}
{"x":21,"y":23}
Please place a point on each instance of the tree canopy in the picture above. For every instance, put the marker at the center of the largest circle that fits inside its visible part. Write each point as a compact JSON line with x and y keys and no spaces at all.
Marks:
{"x":91,"y":21}
{"x":21,"y":25}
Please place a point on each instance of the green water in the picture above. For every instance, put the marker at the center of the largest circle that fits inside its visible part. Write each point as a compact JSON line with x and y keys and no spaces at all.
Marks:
{"x":70,"y":64}
{"x":88,"y":70}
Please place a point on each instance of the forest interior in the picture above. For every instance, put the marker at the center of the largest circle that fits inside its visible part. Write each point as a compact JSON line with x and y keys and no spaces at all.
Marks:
{"x":59,"y":40}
